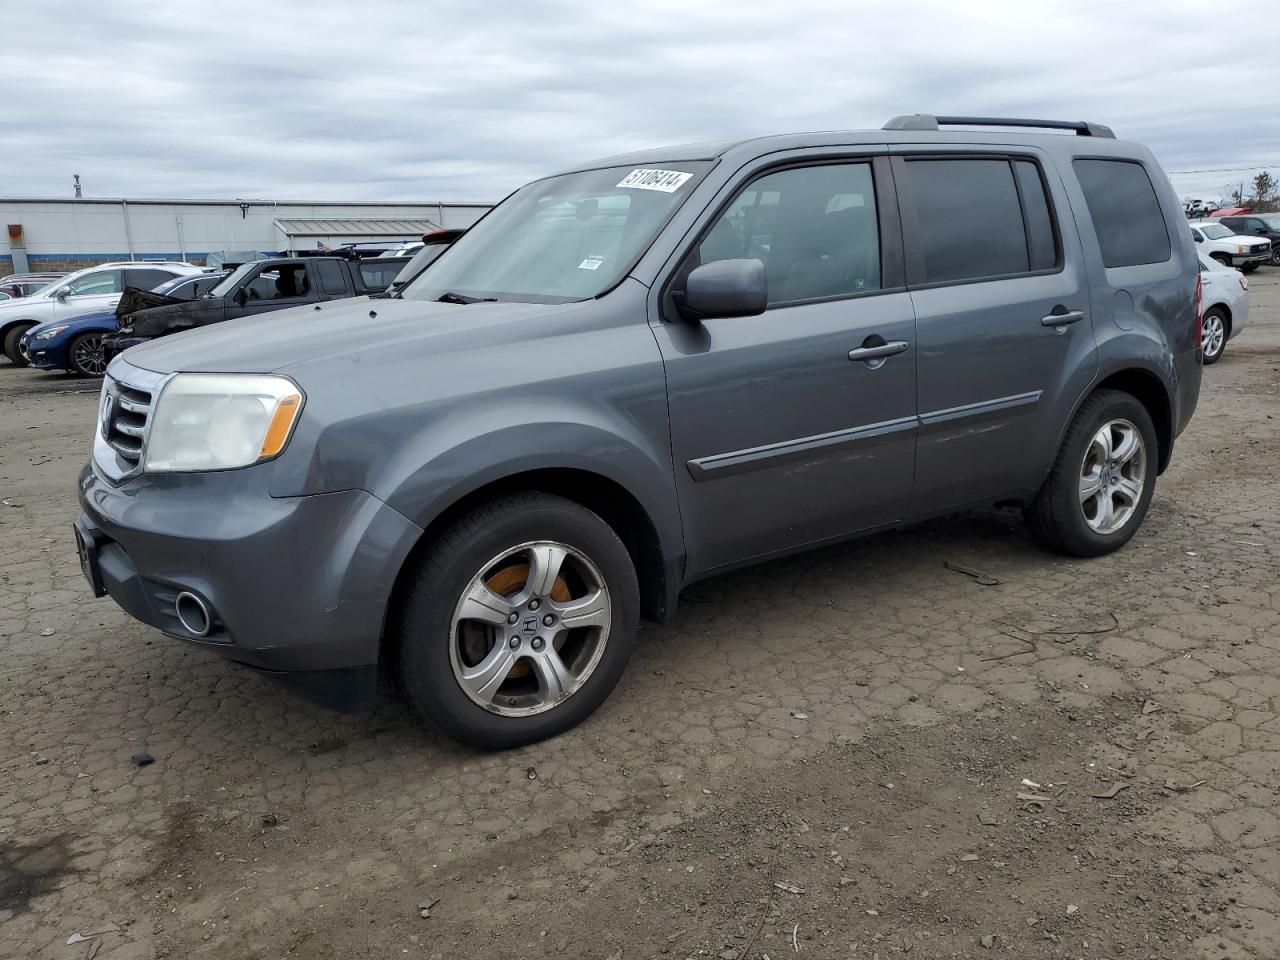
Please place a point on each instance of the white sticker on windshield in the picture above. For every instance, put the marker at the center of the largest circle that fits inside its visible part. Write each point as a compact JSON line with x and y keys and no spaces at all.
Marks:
{"x":668,"y":181}
{"x":591,"y":263}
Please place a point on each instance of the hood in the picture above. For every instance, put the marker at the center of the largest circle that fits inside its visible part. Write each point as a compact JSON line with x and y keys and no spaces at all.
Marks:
{"x":343,"y":328}
{"x":104,"y":319}
{"x":173,"y":317}
{"x":135,"y":298}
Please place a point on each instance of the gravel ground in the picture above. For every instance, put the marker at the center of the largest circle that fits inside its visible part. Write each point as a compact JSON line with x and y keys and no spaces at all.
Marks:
{"x":821,"y":757}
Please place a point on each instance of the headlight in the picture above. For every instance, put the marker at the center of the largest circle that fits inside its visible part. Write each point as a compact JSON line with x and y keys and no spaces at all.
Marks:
{"x":1242,"y":249}
{"x":50,"y":333}
{"x":220,"y":421}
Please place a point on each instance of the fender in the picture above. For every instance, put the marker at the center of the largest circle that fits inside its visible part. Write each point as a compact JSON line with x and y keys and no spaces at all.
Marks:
{"x":1130,"y":353}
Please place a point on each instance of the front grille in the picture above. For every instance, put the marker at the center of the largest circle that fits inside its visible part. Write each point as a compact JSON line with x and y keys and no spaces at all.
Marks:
{"x":124,"y":414}
{"x":125,"y":420}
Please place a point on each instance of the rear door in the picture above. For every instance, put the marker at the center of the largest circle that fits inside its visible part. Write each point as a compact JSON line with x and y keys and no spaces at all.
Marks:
{"x":1001,"y":299}
{"x":780,"y":437}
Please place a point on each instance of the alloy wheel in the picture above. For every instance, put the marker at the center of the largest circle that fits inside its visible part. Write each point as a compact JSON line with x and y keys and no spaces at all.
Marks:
{"x":529,"y":629}
{"x":88,"y":355}
{"x":1214,"y":336}
{"x":1112,"y":476}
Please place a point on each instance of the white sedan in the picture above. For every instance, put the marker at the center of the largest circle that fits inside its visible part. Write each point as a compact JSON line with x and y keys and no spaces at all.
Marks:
{"x":1226,"y":306}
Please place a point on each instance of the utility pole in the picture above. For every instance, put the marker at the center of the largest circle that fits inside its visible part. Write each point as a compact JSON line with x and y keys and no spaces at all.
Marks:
{"x":79,"y":195}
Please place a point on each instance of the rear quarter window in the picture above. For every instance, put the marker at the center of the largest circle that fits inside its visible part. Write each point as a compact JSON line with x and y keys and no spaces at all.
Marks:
{"x":1125,"y":212}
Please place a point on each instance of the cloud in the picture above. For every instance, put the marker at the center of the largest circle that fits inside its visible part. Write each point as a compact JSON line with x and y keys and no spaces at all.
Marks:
{"x":466,"y":101}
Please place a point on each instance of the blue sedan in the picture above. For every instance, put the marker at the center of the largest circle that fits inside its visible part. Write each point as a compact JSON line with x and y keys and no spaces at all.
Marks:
{"x":76,"y":344}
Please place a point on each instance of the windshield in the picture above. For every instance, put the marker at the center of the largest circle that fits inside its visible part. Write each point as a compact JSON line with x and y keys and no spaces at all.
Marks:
{"x":1216,"y":231}
{"x":419,"y":262}
{"x":1272,"y":220}
{"x":232,"y":279}
{"x":565,"y":238}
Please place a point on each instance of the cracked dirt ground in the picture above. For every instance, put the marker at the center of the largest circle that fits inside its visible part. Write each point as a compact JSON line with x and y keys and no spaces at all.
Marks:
{"x":821,"y":757}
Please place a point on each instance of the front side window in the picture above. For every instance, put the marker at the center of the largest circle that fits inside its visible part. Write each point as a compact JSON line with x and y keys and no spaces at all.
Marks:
{"x":970,"y":221}
{"x":1125,"y":212}
{"x":566,"y":238}
{"x":288,"y":282}
{"x":815,"y":229}
{"x":101,"y":281}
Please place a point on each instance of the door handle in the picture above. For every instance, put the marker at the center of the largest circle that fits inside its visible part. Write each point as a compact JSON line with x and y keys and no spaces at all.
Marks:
{"x":1063,"y":318}
{"x":879,"y":351}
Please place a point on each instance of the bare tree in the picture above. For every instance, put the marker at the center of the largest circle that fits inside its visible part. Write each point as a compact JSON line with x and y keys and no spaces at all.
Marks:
{"x":1264,"y":193}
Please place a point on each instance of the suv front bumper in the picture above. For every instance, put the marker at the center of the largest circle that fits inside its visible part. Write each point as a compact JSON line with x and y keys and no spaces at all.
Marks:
{"x":296,"y":587}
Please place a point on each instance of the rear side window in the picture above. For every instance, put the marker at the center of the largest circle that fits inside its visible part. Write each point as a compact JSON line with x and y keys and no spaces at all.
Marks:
{"x":1125,"y":212}
{"x":147,"y":279}
{"x":332,"y":279}
{"x":971,"y":223}
{"x":1042,"y":241}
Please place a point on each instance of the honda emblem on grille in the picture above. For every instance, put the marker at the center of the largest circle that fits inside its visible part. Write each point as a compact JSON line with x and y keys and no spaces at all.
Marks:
{"x":108,"y":403}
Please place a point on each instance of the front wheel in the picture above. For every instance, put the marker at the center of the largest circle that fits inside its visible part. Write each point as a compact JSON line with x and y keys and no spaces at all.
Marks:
{"x":1214,"y":338}
{"x":11,"y":339}
{"x":1222,"y":258}
{"x":1102,"y":481}
{"x":1248,"y":267}
{"x":87,"y":356}
{"x":1275,"y":255}
{"x":517,"y":622}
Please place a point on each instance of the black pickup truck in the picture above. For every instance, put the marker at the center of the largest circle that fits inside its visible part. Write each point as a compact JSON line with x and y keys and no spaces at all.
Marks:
{"x":260,"y":286}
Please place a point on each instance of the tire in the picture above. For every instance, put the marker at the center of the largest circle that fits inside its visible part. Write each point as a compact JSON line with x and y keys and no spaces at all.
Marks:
{"x":1248,"y":267}
{"x":1222,"y":258}
{"x":1059,"y":516}
{"x":431,"y":649}
{"x":1275,"y":254}
{"x":1217,"y":328}
{"x":11,"y":339}
{"x":85,"y":356}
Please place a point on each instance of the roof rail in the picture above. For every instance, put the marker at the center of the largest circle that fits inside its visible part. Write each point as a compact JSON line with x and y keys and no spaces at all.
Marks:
{"x":927,"y":121}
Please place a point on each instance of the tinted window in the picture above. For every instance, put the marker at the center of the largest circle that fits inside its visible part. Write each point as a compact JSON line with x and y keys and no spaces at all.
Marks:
{"x":969,"y":218}
{"x":333,"y":281}
{"x":147,"y":279}
{"x":1042,"y":242}
{"x":1125,"y":212}
{"x":815,"y":228}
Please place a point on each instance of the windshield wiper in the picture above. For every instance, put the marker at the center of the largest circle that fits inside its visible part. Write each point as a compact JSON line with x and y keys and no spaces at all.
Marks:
{"x":452,"y":297}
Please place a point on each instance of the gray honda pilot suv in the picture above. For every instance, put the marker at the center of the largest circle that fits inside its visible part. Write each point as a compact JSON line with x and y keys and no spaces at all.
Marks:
{"x":639,"y":373}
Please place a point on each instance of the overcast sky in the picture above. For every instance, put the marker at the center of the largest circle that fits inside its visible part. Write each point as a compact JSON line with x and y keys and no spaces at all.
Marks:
{"x":467,"y":100}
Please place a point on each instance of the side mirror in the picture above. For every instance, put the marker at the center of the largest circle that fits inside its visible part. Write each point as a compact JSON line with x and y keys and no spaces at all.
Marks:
{"x":1197,"y":238}
{"x":725,"y":288}
{"x":1261,"y":230}
{"x":63,"y":293}
{"x":241,"y":297}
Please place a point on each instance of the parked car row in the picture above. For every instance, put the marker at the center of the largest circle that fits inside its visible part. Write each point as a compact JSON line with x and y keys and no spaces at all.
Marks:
{"x":78,"y":322}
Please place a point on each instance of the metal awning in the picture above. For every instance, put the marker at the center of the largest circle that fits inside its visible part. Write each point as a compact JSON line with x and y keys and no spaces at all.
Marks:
{"x":355,"y":227}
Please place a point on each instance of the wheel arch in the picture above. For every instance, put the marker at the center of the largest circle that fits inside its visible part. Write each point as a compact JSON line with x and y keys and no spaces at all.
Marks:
{"x":656,"y":571}
{"x":1149,"y":390}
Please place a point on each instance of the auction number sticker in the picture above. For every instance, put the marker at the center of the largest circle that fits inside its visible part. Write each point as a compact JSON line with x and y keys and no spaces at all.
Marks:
{"x":667,"y":181}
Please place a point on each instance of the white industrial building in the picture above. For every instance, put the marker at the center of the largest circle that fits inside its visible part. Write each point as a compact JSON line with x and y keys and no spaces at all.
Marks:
{"x":66,"y":234}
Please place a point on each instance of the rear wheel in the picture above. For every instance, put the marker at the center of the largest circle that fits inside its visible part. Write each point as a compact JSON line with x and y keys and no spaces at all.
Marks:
{"x":86,"y":355}
{"x":518,"y":621}
{"x":11,"y":339}
{"x":1102,"y":481}
{"x":1213,"y":341}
